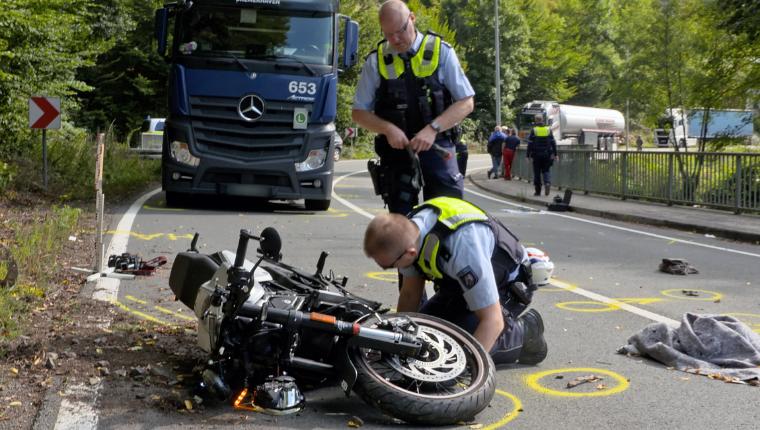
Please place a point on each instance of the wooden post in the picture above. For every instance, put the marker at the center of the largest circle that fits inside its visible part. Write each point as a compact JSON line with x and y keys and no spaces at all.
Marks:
{"x":99,"y":201}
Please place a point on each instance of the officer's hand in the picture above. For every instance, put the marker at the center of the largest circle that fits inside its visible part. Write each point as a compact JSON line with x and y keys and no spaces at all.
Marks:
{"x":423,"y":140}
{"x":396,"y":137}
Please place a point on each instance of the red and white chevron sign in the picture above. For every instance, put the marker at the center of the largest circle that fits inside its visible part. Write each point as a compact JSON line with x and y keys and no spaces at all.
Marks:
{"x":45,"y":112}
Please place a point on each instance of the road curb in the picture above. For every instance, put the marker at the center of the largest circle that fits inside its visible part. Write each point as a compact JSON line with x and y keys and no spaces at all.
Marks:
{"x":724,"y":233}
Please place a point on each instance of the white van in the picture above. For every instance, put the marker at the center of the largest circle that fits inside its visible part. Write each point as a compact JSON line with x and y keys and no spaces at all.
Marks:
{"x":152,"y":135}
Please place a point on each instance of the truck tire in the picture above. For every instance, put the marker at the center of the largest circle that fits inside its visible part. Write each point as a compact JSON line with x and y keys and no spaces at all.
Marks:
{"x":174,"y":199}
{"x":317,"y":205}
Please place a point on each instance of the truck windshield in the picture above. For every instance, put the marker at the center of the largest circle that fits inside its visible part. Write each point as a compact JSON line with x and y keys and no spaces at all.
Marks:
{"x":213,"y":31}
{"x":527,"y":120}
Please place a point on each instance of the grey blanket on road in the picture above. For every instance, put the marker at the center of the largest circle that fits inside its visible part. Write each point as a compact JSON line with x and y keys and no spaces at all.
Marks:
{"x":713,"y":345}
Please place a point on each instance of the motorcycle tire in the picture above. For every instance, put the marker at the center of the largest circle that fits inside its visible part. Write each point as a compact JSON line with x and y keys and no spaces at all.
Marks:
{"x":423,"y":403}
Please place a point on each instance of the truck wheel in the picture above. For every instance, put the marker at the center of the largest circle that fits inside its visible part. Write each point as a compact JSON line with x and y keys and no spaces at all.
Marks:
{"x":174,"y":199}
{"x":317,"y":205}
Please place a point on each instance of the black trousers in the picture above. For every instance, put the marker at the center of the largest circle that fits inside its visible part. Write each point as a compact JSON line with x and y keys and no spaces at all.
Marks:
{"x":449,"y":304}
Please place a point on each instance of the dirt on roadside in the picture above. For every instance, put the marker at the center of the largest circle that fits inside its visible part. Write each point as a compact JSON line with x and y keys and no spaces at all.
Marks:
{"x":70,"y":339}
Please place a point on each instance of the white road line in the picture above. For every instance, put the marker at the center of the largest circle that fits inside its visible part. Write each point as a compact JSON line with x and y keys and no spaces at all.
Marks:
{"x":626,"y":229}
{"x":75,"y":413}
{"x":77,"y":410}
{"x":565,"y":286}
{"x":624,"y":306}
{"x":107,"y":289}
{"x":345,"y":202}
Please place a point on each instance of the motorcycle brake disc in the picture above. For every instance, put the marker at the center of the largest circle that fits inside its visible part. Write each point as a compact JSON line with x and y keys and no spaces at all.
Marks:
{"x":446,"y":358}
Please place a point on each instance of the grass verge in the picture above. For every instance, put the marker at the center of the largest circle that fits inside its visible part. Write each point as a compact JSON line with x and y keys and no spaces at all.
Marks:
{"x":35,"y":246}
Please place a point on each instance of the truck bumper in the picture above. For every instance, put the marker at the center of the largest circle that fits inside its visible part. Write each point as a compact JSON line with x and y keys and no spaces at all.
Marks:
{"x":274,"y":179}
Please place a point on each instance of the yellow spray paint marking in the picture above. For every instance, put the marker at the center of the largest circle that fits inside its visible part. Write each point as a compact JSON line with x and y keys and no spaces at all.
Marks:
{"x":175,"y":314}
{"x":533,"y":382}
{"x":170,"y":236}
{"x":592,"y":306}
{"x":136,"y":300}
{"x":565,"y":287}
{"x":383,"y":276}
{"x":161,"y":208}
{"x":142,"y":314}
{"x":509,"y":416}
{"x":677,"y":293}
{"x":746,"y":318}
{"x":331,"y":213}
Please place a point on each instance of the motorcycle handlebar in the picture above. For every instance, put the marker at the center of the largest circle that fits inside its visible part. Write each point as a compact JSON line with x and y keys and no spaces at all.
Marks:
{"x":242,"y":248}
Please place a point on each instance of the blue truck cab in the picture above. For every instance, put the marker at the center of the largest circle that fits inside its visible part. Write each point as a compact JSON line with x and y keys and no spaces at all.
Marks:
{"x":252,"y":97}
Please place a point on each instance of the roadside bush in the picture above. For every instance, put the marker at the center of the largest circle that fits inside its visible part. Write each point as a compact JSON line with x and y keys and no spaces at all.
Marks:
{"x":71,"y":168}
{"x":35,"y":247}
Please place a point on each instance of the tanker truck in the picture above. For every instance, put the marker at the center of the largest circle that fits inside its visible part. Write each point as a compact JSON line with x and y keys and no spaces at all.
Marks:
{"x":574,"y":125}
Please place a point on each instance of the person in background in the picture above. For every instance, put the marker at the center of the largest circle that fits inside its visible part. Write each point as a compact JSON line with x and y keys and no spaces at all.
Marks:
{"x":508,"y":153}
{"x":542,"y":149}
{"x":495,"y":142}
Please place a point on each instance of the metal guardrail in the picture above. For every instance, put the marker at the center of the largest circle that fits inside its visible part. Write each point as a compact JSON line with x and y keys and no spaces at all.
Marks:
{"x":720,"y":180}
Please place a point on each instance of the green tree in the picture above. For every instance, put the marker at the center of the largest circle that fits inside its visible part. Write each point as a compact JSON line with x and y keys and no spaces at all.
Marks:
{"x":129,"y":81}
{"x":42,"y":44}
{"x":475,"y":27}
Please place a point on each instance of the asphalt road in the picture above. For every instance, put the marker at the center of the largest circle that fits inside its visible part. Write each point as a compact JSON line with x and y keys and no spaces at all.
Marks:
{"x":594,"y":260}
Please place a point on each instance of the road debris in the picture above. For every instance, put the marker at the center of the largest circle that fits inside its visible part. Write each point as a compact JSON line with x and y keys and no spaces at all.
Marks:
{"x":355,"y":422}
{"x":677,"y":266}
{"x":583,"y":380}
{"x":690,"y":293}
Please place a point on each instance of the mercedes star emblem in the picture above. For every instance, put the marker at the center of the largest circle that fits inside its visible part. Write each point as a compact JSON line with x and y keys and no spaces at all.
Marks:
{"x":251,"y":108}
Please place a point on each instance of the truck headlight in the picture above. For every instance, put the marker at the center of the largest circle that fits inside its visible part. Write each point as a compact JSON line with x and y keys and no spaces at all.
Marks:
{"x":314,"y":160}
{"x":181,"y":153}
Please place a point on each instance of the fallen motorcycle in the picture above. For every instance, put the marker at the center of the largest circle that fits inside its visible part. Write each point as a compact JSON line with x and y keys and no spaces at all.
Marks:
{"x":268,"y":327}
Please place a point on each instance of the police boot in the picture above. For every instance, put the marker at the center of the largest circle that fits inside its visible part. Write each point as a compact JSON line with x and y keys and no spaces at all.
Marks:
{"x":547,"y":189}
{"x":538,"y":190}
{"x":534,"y":347}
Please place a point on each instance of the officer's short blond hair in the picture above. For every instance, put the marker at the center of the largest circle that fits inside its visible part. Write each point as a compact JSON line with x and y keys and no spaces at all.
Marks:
{"x":388,"y":233}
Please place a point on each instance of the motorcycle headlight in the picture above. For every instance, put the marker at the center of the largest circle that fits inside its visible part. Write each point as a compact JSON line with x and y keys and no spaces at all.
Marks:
{"x":314,"y":160}
{"x":180,"y":151}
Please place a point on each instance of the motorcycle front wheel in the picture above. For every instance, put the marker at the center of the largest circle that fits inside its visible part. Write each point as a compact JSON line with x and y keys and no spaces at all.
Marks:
{"x":452,"y":382}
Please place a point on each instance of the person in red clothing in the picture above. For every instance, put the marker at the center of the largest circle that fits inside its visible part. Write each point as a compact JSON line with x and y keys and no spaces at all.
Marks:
{"x":508,"y":152}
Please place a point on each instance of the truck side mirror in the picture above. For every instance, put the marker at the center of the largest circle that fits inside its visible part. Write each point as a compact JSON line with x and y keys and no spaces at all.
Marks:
{"x":350,"y":43}
{"x":161,"y":26}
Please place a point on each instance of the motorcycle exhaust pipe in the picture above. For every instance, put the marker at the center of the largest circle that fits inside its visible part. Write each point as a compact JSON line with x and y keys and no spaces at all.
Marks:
{"x":367,"y":337}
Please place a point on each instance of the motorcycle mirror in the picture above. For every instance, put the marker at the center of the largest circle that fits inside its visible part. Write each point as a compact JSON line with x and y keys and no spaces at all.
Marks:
{"x":194,"y":243}
{"x":270,"y":242}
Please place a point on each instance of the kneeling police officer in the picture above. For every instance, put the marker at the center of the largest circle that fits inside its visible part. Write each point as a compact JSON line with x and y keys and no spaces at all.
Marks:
{"x":481,"y":272}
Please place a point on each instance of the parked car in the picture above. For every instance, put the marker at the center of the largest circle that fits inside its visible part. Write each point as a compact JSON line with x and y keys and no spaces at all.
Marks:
{"x":151,"y":136}
{"x":338,"y":144}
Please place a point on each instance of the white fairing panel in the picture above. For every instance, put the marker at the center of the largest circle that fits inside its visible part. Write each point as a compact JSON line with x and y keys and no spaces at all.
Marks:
{"x":210,"y":317}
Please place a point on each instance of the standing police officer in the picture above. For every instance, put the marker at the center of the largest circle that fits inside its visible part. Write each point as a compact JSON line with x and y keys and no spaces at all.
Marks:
{"x":411,"y":92}
{"x":543,"y":150}
{"x":480,"y":268}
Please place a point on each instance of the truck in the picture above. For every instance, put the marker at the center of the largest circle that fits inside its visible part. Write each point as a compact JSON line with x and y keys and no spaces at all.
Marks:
{"x":687,"y":129}
{"x":252,"y":97}
{"x":574,"y":125}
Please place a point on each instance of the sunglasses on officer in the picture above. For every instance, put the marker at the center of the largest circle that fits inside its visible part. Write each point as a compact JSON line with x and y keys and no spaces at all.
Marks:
{"x":393,"y":265}
{"x":400,"y":32}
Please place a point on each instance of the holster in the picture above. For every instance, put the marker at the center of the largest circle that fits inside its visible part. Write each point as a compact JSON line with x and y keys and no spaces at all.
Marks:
{"x":377,"y":175}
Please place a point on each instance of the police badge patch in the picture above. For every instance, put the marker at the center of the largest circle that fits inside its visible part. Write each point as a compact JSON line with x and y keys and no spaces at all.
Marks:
{"x":467,"y":277}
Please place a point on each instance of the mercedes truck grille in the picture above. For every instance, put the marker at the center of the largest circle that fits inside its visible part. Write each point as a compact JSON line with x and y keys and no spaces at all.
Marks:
{"x":218,"y":129}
